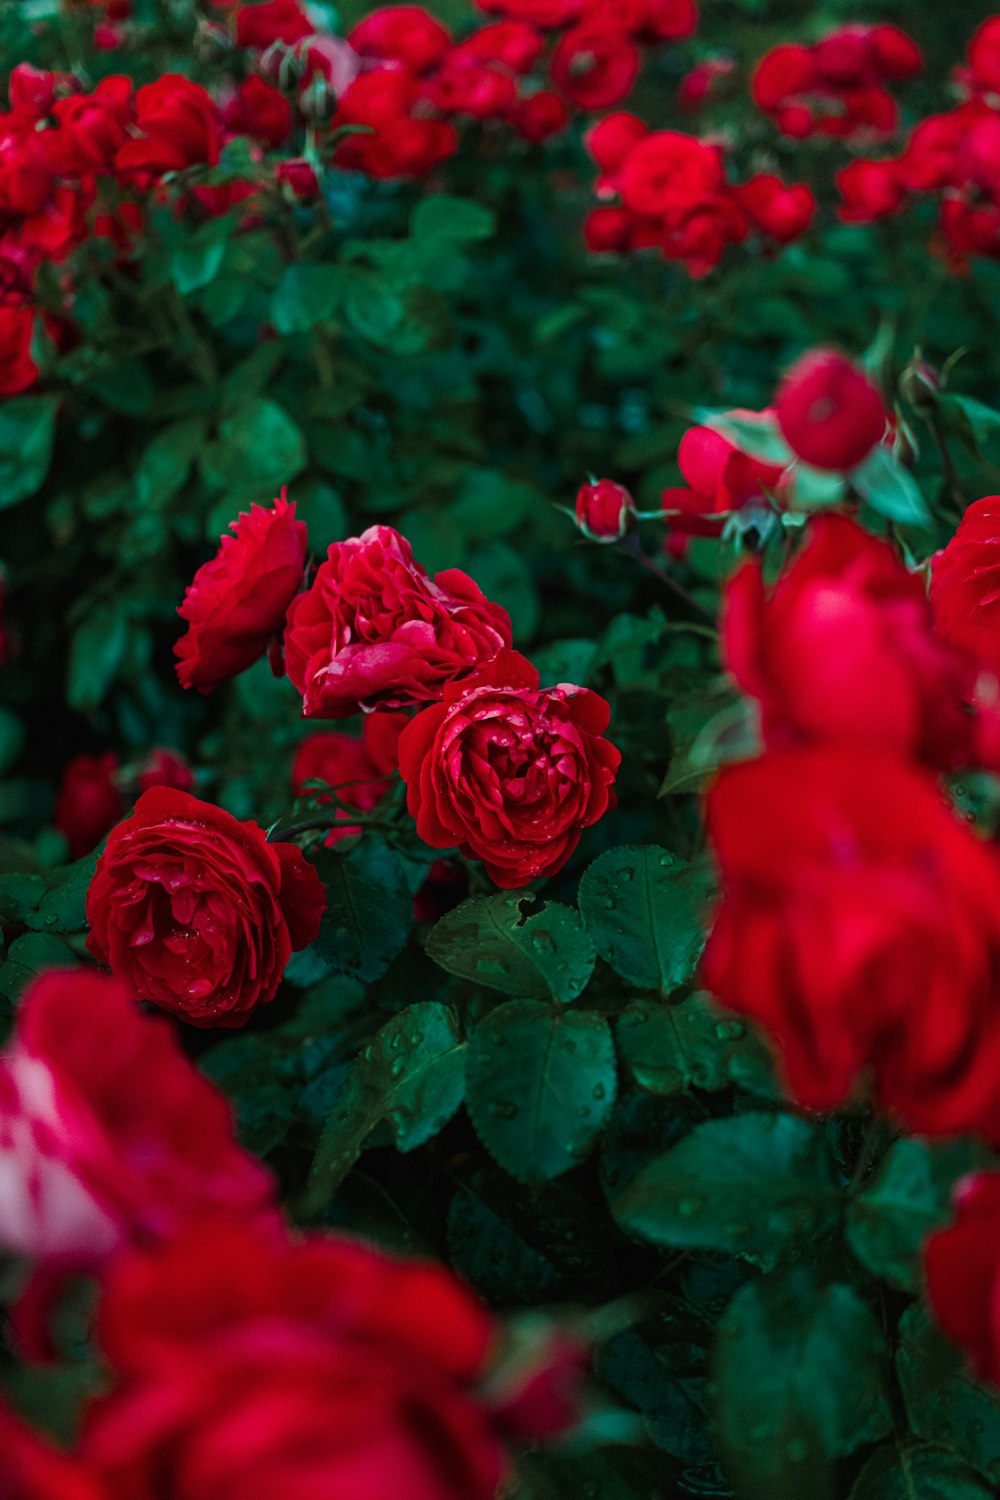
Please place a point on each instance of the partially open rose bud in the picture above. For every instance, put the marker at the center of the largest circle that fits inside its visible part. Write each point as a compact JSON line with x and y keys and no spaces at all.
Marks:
{"x":604,"y":511}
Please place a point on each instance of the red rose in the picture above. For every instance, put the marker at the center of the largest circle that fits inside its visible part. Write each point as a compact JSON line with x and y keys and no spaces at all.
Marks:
{"x":402,"y":33}
{"x":611,"y":140}
{"x":166,"y":768}
{"x":829,"y":412}
{"x":274,"y":21}
{"x":299,"y":176}
{"x":510,"y":773}
{"x":510,"y":43}
{"x":860,"y":923}
{"x":984,"y":56}
{"x":703,"y":82}
{"x":197,"y":911}
{"x":253,"y":1366}
{"x":358,"y":770}
{"x":782,"y":210}
{"x":394,"y":143}
{"x":32,"y":1470}
{"x":18,"y":371}
{"x":464,"y":85}
{"x":668,"y":175}
{"x":258,"y":110}
{"x":237,"y":602}
{"x":180,"y":124}
{"x":604,"y":511}
{"x":965,"y":584}
{"x":536,"y":117}
{"x":721,"y":478}
{"x":595,"y":64}
{"x":870,"y":190}
{"x":842,"y":648}
{"x":89,"y":801}
{"x":108,"y":1134}
{"x":374,"y":629}
{"x":608,"y":231}
{"x":962,"y":1273}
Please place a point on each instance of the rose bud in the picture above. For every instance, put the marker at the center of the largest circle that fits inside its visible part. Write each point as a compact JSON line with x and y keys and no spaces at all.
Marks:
{"x":89,"y":801}
{"x":920,"y":384}
{"x":829,"y":412}
{"x":604,"y":511}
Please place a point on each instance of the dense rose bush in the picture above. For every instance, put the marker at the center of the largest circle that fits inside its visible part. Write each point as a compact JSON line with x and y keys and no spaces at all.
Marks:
{"x":490,"y":952}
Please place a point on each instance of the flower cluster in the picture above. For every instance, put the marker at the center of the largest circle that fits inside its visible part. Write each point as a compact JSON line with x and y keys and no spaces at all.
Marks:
{"x":228,"y":1341}
{"x":838,"y":86}
{"x":672,"y":195}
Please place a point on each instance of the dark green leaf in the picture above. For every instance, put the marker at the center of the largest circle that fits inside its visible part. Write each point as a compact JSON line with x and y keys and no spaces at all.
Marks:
{"x":644,"y":909}
{"x":369,"y":909}
{"x":27,"y":430}
{"x":905,"y":1472}
{"x":195,"y":265}
{"x":447,"y":218}
{"x":890,"y":489}
{"x":974,"y":422}
{"x":166,"y":461}
{"x":906,"y":1200}
{"x":944,"y":1403}
{"x":308,"y":294}
{"x":26,"y":957}
{"x":258,"y":447}
{"x":95,"y":655}
{"x":753,"y":1185}
{"x":799,"y":1380}
{"x":541,"y":1086}
{"x":494,"y":941}
{"x":411,"y":1076}
{"x":694,"y":1044}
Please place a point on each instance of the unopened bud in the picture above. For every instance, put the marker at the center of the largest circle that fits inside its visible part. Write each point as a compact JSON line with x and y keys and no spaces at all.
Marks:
{"x":317,"y":101}
{"x":605,"y":511}
{"x":919,"y":384}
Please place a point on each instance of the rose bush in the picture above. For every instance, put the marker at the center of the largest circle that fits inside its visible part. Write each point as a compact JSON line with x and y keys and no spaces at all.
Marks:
{"x":498,"y":964}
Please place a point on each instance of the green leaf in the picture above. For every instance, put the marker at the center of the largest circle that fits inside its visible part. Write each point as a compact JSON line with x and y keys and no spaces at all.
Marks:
{"x":166,"y":461}
{"x":494,"y":941}
{"x":27,"y":433}
{"x":799,"y":1380}
{"x":890,"y":489}
{"x":12,"y":736}
{"x":944,"y":1402}
{"x":195,"y":265}
{"x":369,"y":909}
{"x":258,"y":447}
{"x":908,"y":1198}
{"x":308,"y":294}
{"x":696,"y":1044}
{"x":95,"y":654}
{"x":760,"y":439}
{"x":973,"y":421}
{"x":25,"y":959}
{"x":447,"y":218}
{"x":411,"y":1076}
{"x":754,"y":1185}
{"x":541,"y":1086}
{"x":644,"y":910}
{"x":905,"y":1472}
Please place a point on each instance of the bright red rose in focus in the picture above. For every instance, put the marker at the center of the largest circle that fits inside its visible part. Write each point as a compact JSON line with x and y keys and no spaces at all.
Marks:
{"x":842,"y":648}
{"x":509,"y":772}
{"x":965,"y":584}
{"x":197,"y":911}
{"x":604,"y":511}
{"x":89,"y":801}
{"x":962,"y":1272}
{"x":860,"y":924}
{"x":32,"y":1470}
{"x":829,"y":412}
{"x":238,"y":601}
{"x":108,"y":1134}
{"x":375,"y":630}
{"x":252,"y":1366}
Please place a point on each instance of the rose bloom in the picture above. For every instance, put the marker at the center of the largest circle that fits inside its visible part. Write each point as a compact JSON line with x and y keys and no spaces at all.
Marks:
{"x":197,"y":911}
{"x":829,"y":412}
{"x":89,"y":801}
{"x":870,"y":190}
{"x":402,"y":33}
{"x":721,"y":478}
{"x":860,"y":924}
{"x":668,"y":174}
{"x":33,"y":1470}
{"x":181,"y":127}
{"x":509,"y":772}
{"x":238,"y":600}
{"x":842,"y":648}
{"x":18,"y":371}
{"x":375,"y":630}
{"x":275,"y":21}
{"x":595,"y":65}
{"x":962,"y":1273}
{"x":538,"y":116}
{"x":610,"y":143}
{"x":604,"y":511}
{"x":108,"y":1134}
{"x":251,"y":1366}
{"x":259,"y":110}
{"x":965,"y":584}
{"x":357,"y":769}
{"x":166,"y":768}
{"x":783,"y":211}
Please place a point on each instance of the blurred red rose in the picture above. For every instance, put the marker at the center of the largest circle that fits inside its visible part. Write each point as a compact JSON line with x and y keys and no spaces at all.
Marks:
{"x":258,"y":110}
{"x":595,"y":64}
{"x":237,"y":602}
{"x":829,"y":412}
{"x":402,"y":33}
{"x":166,"y":768}
{"x":509,"y":772}
{"x":860,"y":924}
{"x":842,"y":649}
{"x":965,"y":584}
{"x":781,"y":210}
{"x":180,"y":125}
{"x":108,"y":1134}
{"x":197,"y":911}
{"x":604,"y":511}
{"x":254,"y":1366}
{"x":962,"y":1273}
{"x":89,"y":801}
{"x":33,"y":1470}
{"x":538,"y":116}
{"x":870,"y":190}
{"x":258,"y":25}
{"x":395,"y":141}
{"x":721,"y":479}
{"x":357,"y":769}
{"x":375,"y":630}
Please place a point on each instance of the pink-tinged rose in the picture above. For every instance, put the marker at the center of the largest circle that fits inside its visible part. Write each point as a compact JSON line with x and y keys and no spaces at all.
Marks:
{"x":375,"y":630}
{"x":509,"y":772}
{"x":108,"y":1134}
{"x":89,"y":801}
{"x":196,"y":911}
{"x":237,"y":602}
